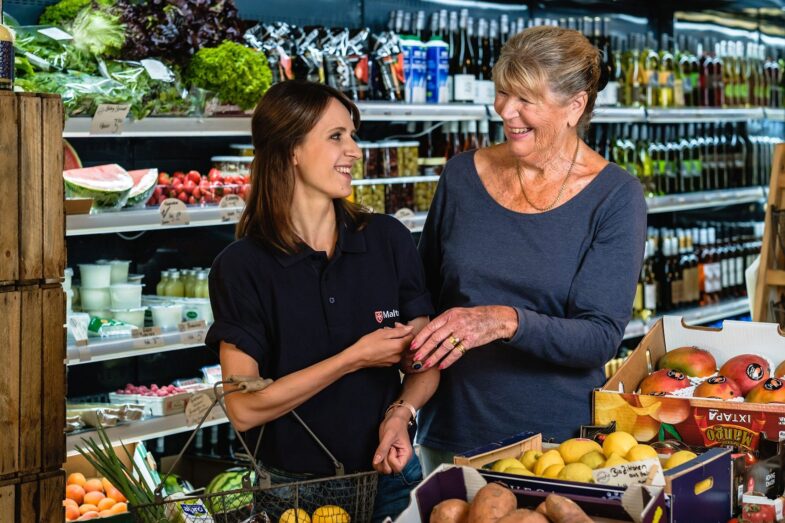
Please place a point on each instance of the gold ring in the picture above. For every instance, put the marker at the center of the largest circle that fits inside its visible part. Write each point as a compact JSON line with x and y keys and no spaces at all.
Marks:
{"x":460,"y":348}
{"x":454,"y":341}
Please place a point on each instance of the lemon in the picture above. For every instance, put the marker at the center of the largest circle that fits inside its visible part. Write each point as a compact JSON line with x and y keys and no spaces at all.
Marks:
{"x":641,"y":452}
{"x":520,"y":470}
{"x":553,"y":471}
{"x":576,"y":472}
{"x":552,"y":457}
{"x":505,"y":463}
{"x":678,"y":458}
{"x":330,"y":514}
{"x":618,"y":443}
{"x":614,"y":460}
{"x":295,"y":516}
{"x":593,"y":460}
{"x":574,"y":449}
{"x":530,"y":457}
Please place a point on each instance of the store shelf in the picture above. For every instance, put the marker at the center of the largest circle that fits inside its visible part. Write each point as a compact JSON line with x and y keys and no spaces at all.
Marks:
{"x":775,"y":114}
{"x":695,"y":316}
{"x":163,"y":126}
{"x":399,"y":180}
{"x":701,"y":200}
{"x":619,"y":115}
{"x":394,"y":112}
{"x":99,"y":349}
{"x":146,"y":429}
{"x":703,"y":114}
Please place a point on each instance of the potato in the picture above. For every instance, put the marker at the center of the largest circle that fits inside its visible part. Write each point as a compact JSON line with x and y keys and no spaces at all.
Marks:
{"x":562,"y":510}
{"x":523,"y":515}
{"x":491,"y":503}
{"x":450,"y":511}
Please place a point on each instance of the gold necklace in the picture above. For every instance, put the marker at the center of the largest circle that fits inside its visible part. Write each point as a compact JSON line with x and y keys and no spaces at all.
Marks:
{"x":561,"y":189}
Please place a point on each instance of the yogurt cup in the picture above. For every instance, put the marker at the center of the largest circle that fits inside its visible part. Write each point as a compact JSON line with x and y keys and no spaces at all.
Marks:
{"x":118,"y":269}
{"x":95,"y":276}
{"x":167,"y":316}
{"x":134,"y":316}
{"x":94,"y":299}
{"x":126,"y":295}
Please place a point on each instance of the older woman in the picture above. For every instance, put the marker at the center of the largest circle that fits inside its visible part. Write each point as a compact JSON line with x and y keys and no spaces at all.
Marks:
{"x":532,"y":250}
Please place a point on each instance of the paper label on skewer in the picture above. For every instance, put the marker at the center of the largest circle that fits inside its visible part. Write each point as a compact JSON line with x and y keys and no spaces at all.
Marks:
{"x":56,"y":33}
{"x":197,"y":407}
{"x":174,"y":212}
{"x":109,"y":118}
{"x":231,"y":208}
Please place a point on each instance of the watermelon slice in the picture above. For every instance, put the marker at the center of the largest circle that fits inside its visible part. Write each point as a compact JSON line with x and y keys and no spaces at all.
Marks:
{"x":144,"y":185}
{"x":108,"y":185}
{"x":70,"y":158}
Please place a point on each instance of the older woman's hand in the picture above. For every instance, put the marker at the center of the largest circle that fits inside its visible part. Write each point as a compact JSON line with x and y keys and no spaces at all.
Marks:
{"x":448,"y":336}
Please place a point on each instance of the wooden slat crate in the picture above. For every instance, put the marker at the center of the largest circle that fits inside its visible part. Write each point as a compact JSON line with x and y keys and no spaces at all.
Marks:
{"x":53,"y":378}
{"x":10,"y":322}
{"x":30,"y":398}
{"x":31,"y":205}
{"x":38,"y":497}
{"x":54,"y":254}
{"x":9,"y":185}
{"x":8,"y":497}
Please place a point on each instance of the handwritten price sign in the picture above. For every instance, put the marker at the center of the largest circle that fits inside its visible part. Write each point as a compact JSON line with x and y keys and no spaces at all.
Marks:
{"x":109,"y":119}
{"x":173,"y":212}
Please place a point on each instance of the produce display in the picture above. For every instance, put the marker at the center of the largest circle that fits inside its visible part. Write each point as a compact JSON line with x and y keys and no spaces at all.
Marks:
{"x":152,"y":391}
{"x":89,"y":498}
{"x":108,"y":185}
{"x":194,"y":188}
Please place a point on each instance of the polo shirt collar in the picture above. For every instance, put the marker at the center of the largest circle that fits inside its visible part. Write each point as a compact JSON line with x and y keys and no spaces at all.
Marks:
{"x":349,"y":240}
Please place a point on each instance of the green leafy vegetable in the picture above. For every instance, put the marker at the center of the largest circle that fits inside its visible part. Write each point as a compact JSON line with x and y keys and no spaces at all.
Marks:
{"x":98,"y":33}
{"x":63,"y":13}
{"x":47,"y":54}
{"x":81,"y":93}
{"x":237,"y":74}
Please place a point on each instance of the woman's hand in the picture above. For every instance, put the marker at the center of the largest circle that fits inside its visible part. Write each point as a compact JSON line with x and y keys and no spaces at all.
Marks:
{"x":381,"y":348}
{"x":395,"y":447}
{"x":448,"y":336}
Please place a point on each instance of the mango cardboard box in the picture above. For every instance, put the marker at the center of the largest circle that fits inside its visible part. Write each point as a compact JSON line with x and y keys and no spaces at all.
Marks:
{"x":697,"y":421}
{"x":699,"y":490}
{"x":644,"y":504}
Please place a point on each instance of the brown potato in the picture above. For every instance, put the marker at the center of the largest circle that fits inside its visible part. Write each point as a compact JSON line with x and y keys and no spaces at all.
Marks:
{"x":523,"y":515}
{"x":450,"y":511}
{"x":491,"y":503}
{"x":562,"y":510}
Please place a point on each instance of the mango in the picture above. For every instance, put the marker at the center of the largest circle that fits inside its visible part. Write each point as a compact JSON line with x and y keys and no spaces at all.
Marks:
{"x":747,"y":370}
{"x":770,"y":391}
{"x":664,"y":381}
{"x":691,"y":361}
{"x":720,"y":387}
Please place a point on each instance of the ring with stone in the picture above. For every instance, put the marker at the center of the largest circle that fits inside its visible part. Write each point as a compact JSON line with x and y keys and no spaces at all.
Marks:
{"x":454,"y":341}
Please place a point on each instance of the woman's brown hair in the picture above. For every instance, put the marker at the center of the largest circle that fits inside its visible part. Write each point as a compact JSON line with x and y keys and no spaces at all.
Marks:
{"x":284,"y":116}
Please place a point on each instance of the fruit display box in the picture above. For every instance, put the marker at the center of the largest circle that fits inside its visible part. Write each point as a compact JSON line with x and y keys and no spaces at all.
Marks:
{"x":165,"y":405}
{"x":643,"y":504}
{"x":697,"y":421}
{"x":699,"y":490}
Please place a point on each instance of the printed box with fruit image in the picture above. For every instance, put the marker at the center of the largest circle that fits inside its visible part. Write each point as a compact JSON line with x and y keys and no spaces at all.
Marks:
{"x":697,"y":486}
{"x":747,"y":353}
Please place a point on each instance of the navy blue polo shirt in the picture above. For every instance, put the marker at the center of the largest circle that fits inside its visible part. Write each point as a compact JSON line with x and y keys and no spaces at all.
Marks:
{"x":289,"y":312}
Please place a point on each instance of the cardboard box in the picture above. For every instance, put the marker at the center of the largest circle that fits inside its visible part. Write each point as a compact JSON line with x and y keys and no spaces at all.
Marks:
{"x":697,"y":421}
{"x":698,"y":489}
{"x":643,"y":504}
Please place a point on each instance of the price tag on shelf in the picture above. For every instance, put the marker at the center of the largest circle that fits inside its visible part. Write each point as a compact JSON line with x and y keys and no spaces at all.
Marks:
{"x":406,"y":216}
{"x":192,"y":337}
{"x":84,"y":351}
{"x":146,"y":331}
{"x":109,"y":119}
{"x":174,"y":212}
{"x":231,"y":208}
{"x":157,"y":70}
{"x":191,"y":325}
{"x":197,"y":407}
{"x":149,"y":342}
{"x":56,"y":34}
{"x":647,"y":471}
{"x":78,"y":328}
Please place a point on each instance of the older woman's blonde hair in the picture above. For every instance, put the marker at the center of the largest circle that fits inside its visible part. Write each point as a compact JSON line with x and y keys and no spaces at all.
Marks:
{"x":561,"y":59}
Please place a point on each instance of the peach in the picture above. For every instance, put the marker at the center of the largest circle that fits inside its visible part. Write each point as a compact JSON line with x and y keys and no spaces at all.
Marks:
{"x":747,"y":370}
{"x":719,"y":387}
{"x":770,"y":391}
{"x":75,"y":492}
{"x":105,"y":504}
{"x":93,"y":497}
{"x":692,"y":361}
{"x":87,"y":507}
{"x":93,"y":485}
{"x":115,"y":495}
{"x":664,"y":381}
{"x":71,"y":513}
{"x":76,"y":478}
{"x":119,"y":508}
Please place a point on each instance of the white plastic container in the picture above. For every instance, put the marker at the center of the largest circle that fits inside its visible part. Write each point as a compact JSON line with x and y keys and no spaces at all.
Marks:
{"x":95,"y":276}
{"x":104,"y":314}
{"x":135,"y":278}
{"x":126,"y":295}
{"x":134,"y":316}
{"x":119,"y":273}
{"x":67,"y":277}
{"x":69,"y":297}
{"x":197,"y":309}
{"x":165,"y":405}
{"x":167,"y":316}
{"x":94,"y":298}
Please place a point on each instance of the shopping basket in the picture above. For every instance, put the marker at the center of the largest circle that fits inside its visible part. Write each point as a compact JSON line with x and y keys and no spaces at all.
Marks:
{"x":342,"y":498}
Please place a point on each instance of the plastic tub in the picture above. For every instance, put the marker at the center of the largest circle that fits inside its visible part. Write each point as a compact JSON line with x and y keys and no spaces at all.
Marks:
{"x":67,"y":277}
{"x":135,"y":278}
{"x":95,"y":276}
{"x":69,"y":297}
{"x":119,"y":272}
{"x":94,"y":299}
{"x":126,"y":295}
{"x":197,"y":309}
{"x":104,"y":314}
{"x":134,"y":316}
{"x":167,"y":316}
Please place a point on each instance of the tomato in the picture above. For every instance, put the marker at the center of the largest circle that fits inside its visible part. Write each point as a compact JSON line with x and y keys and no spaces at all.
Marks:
{"x":163,"y":178}
{"x":189,"y":186}
{"x":197,"y":192}
{"x":214,"y":175}
{"x":754,"y":513}
{"x":194,"y":176}
{"x":191,"y":200}
{"x":179,"y":175}
{"x":182,"y":197}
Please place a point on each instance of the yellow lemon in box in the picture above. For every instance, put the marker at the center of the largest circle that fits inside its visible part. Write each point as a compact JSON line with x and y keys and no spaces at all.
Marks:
{"x":641,"y":452}
{"x":295,"y":516}
{"x":593,"y":460}
{"x":553,"y":471}
{"x":576,"y":472}
{"x":618,"y":443}
{"x":552,"y":457}
{"x":679,"y":458}
{"x":330,"y":514}
{"x":519,"y":470}
{"x":530,"y":457}
{"x":615,"y":460}
{"x":505,"y":463}
{"x":574,"y":449}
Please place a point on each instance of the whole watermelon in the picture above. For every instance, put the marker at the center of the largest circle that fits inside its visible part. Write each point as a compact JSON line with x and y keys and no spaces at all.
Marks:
{"x":228,"y":480}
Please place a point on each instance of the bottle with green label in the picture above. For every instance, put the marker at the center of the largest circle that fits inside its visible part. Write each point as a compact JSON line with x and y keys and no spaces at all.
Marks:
{"x":6,"y":55}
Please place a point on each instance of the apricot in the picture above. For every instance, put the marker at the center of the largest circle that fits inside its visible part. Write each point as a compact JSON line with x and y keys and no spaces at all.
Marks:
{"x":119,"y":508}
{"x":71,"y":513}
{"x":75,"y":492}
{"x":93,"y":485}
{"x":87,"y":507}
{"x":76,"y":478}
{"x":106,"y":504}
{"x":92,"y":498}
{"x":115,"y":495}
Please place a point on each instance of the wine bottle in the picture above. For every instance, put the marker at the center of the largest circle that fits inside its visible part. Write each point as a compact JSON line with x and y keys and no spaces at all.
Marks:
{"x":6,"y":55}
{"x":463,"y":75}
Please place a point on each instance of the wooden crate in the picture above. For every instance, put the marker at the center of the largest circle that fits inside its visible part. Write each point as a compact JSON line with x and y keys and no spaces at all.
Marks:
{"x":9,"y":185}
{"x":10,"y":322}
{"x":8,"y":499}
{"x":39,"y":497}
{"x":30,"y":368}
{"x":53,"y":377}
{"x":31,"y":188}
{"x":54,"y":253}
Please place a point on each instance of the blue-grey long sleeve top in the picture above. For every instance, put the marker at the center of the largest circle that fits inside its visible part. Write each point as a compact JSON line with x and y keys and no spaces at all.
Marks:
{"x":570,"y":274}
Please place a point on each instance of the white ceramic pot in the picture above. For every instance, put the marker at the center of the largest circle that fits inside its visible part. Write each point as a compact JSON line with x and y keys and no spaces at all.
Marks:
{"x":126,"y":295}
{"x":95,"y":276}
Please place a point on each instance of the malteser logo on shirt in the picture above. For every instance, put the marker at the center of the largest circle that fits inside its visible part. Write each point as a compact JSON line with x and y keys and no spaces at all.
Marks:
{"x":383,"y":315}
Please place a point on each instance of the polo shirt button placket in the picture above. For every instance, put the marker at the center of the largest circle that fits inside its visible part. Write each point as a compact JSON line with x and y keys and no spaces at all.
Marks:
{"x":331,"y":299}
